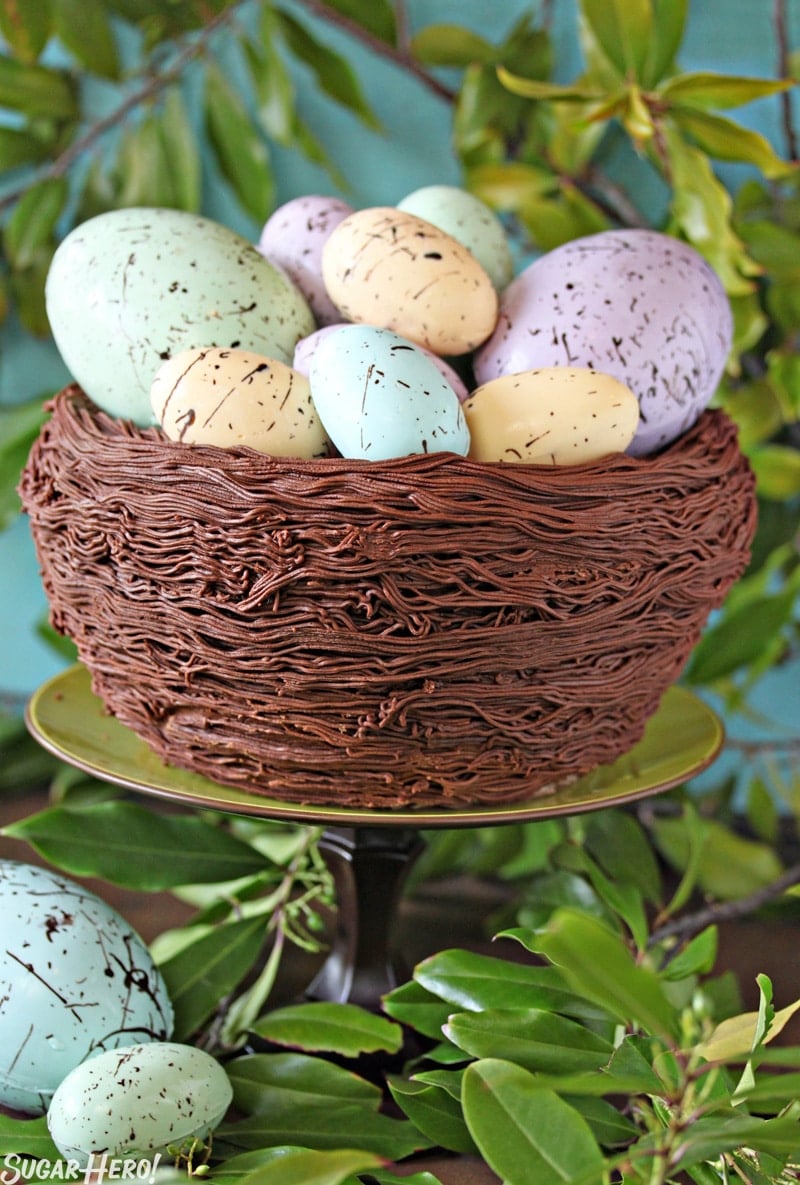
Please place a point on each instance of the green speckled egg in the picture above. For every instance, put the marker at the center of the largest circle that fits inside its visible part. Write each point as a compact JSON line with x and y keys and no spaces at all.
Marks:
{"x":131,"y":288}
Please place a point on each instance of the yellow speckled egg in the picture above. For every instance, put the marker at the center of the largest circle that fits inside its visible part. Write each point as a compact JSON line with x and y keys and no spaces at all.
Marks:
{"x":235,"y":397}
{"x":391,"y":269}
{"x":559,"y":415}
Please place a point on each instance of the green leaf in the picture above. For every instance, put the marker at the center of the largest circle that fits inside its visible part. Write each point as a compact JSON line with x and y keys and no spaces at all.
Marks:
{"x":709,"y":89}
{"x":22,"y":148}
{"x":698,"y":957}
{"x":451,"y":45}
{"x":27,"y":1137}
{"x":25,"y":27}
{"x":709,"y":1137}
{"x":19,"y":427}
{"x":333,"y":72}
{"x":299,"y":1166}
{"x":725,"y":140}
{"x":728,"y":866}
{"x":623,"y":29}
{"x":295,"y":1099}
{"x":622,"y":897}
{"x":179,"y":153}
{"x":334,"y":1028}
{"x":740,"y":637}
{"x":622,"y":847}
{"x":669,"y":23}
{"x":435,"y":1112}
{"x":537,"y":1040}
{"x":240,"y":150}
{"x":608,"y":1126}
{"x":32,"y":223}
{"x":205,"y":972}
{"x":474,"y":981}
{"x":536,"y":88}
{"x":777,"y":470}
{"x":527,"y":1134}
{"x":415,"y":1006}
{"x":737,"y":1036}
{"x":597,"y":963}
{"x":132,"y":846}
{"x":274,"y":89}
{"x":376,"y":16}
{"x":85,"y":29}
{"x":37,"y":91}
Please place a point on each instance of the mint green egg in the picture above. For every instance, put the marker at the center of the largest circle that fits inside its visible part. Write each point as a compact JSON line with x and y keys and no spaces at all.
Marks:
{"x":130,"y":288}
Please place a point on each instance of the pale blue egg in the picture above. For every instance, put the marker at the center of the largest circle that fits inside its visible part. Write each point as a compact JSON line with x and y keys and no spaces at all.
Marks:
{"x":133,"y":287}
{"x":379,"y":396}
{"x":75,"y":979}
{"x":469,"y":220}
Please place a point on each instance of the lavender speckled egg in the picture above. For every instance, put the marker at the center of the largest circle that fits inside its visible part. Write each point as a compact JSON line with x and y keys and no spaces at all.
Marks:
{"x":390,"y":269}
{"x":635,"y":304}
{"x":379,"y":396}
{"x":75,"y":979}
{"x":468,"y":219}
{"x":307,"y":347}
{"x":130,"y":288}
{"x":293,"y":237}
{"x":138,"y":1101}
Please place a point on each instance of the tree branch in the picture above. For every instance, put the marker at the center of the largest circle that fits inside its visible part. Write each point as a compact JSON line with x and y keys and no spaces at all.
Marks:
{"x":782,"y":35}
{"x":725,"y":911}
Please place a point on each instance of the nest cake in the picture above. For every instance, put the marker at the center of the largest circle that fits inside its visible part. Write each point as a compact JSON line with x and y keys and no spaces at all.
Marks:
{"x":430,"y":631}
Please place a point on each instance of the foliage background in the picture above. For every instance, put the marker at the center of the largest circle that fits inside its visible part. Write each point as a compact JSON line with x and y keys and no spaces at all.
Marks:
{"x":235,"y":105}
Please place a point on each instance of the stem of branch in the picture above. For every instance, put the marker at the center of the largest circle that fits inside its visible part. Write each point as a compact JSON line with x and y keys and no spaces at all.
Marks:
{"x":782,"y":36}
{"x":725,"y":911}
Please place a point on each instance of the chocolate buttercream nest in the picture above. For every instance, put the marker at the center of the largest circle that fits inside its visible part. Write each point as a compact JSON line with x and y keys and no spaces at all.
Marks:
{"x":430,"y":630}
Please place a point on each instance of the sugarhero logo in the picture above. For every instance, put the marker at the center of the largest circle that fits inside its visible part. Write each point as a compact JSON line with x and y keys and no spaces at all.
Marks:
{"x":18,"y":1170}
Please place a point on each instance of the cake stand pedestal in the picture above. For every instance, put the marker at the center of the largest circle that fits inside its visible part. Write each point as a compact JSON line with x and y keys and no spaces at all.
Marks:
{"x":369,"y":852}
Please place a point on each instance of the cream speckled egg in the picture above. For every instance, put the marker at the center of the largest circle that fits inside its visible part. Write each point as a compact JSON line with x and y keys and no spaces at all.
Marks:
{"x":558,"y":415}
{"x":468,"y":219}
{"x":75,"y":979}
{"x":235,"y":397}
{"x":636,"y":304}
{"x":130,"y":288}
{"x":293,"y":237}
{"x":393,"y":270}
{"x":138,"y":1101}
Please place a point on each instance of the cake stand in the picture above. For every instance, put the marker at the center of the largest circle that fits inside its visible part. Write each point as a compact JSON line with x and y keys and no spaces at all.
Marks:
{"x":369,"y":852}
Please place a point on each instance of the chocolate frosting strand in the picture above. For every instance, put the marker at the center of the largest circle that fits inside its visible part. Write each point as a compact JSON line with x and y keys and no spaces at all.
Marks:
{"x":428,"y":631}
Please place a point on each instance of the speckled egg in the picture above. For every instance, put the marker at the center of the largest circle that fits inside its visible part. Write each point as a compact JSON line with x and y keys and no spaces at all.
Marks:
{"x":307,"y":347}
{"x":559,"y":415}
{"x":235,"y":397}
{"x":138,"y":1101}
{"x":635,"y":304}
{"x":379,"y":396}
{"x":468,"y":219}
{"x":75,"y":979}
{"x":293,"y":237}
{"x":390,"y":269}
{"x":131,"y":288}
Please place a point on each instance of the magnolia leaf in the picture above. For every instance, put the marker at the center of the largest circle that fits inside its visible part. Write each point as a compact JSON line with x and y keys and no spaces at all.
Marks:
{"x":725,"y":140}
{"x":734,"y":1038}
{"x":179,"y":152}
{"x":598,"y":964}
{"x":323,"y":1128}
{"x":415,"y":1006}
{"x":451,"y":45}
{"x":21,"y":148}
{"x":777,"y":470}
{"x":435,"y":1112}
{"x":240,"y":150}
{"x":27,"y":1137}
{"x":669,"y":23}
{"x":274,"y":89}
{"x":622,"y":847}
{"x":537,"y":1040}
{"x":28,"y":286}
{"x":376,"y":16}
{"x":708,"y":89}
{"x":727,"y":866}
{"x":333,"y":1028}
{"x":710,"y":1136}
{"x":129,"y":845}
{"x":300,"y":1166}
{"x":535,"y":88}
{"x":206,"y":971}
{"x":279,"y":1081}
{"x":19,"y":427}
{"x":526,"y":1133}
{"x":333,"y":72}
{"x":697,"y":957}
{"x":32,"y":223}
{"x":25,"y":28}
{"x":85,"y":28}
{"x":741,"y":635}
{"x":37,"y":91}
{"x":608,"y":1126}
{"x":624,"y":31}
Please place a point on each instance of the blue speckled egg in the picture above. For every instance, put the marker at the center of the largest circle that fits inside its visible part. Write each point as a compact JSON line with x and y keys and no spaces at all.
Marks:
{"x":130,"y":288}
{"x":379,"y":396}
{"x":75,"y":979}
{"x":140,"y":1100}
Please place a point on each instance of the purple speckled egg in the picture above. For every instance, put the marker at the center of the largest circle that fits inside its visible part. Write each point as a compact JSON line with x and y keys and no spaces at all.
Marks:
{"x":293,"y":237}
{"x":636,"y":304}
